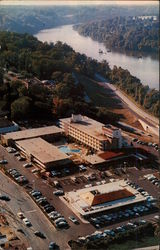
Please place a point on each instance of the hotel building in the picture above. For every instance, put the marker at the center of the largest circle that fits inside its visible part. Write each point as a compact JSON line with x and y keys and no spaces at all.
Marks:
{"x":91,"y":133}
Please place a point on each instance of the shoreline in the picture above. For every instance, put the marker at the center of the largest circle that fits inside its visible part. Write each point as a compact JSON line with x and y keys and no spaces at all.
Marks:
{"x":127,"y":62}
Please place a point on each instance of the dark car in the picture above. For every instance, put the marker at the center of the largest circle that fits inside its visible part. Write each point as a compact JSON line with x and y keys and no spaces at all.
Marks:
{"x":40,"y":234}
{"x":52,"y":246}
{"x":37,"y":193}
{"x":49,"y":209}
{"x":3,"y":161}
{"x":43,"y":203}
{"x":4,"y":198}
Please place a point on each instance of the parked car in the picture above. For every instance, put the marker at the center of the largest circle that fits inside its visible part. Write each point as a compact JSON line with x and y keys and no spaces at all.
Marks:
{"x":49,"y":209}
{"x":27,"y":222}
{"x":3,"y":161}
{"x":66,"y":171}
{"x":82,"y":168}
{"x":58,"y":192}
{"x":11,"y":150}
{"x":43,"y":203}
{"x":55,"y":173}
{"x":73,"y":219}
{"x":58,"y":220}
{"x":48,"y":205}
{"x":20,"y":215}
{"x":27,"y":165}
{"x":54,"y":216}
{"x":16,"y":174}
{"x":52,"y":246}
{"x":62,"y":224}
{"x":134,"y":139}
{"x":17,"y":154}
{"x":20,"y":158}
{"x":5,"y":198}
{"x":92,"y":177}
{"x":41,"y":199}
{"x":56,"y":183}
{"x":35,"y":170}
{"x":36,"y":193}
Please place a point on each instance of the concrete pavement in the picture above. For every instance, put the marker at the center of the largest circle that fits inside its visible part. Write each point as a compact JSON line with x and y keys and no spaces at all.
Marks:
{"x":20,"y":201}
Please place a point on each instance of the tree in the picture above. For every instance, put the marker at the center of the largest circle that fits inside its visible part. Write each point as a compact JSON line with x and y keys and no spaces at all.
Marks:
{"x":20,"y":108}
{"x":1,"y":76}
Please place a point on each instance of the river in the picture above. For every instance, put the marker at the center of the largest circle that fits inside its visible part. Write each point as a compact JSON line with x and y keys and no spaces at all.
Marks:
{"x":146,"y":68}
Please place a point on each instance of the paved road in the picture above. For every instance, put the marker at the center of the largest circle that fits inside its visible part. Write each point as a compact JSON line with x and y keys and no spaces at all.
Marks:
{"x":145,"y":116}
{"x":20,"y":201}
{"x":141,"y":114}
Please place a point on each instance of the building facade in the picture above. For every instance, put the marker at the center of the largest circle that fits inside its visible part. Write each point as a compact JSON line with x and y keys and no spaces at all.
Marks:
{"x":91,"y":133}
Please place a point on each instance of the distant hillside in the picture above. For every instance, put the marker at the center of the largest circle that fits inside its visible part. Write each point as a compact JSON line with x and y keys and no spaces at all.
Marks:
{"x":28,"y":19}
{"x":31,"y":19}
{"x":125,"y":33}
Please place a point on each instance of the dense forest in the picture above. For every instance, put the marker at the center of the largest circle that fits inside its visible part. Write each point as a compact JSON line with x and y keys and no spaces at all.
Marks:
{"x":125,"y":33}
{"x":23,"y":53}
{"x":30,"y":57}
{"x":143,"y":95}
{"x":31,"y":19}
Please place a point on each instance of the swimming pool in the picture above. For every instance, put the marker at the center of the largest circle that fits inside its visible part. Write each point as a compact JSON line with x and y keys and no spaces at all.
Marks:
{"x":67,"y":150}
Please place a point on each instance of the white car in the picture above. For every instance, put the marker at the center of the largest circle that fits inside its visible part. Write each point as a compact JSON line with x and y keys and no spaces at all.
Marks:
{"x":20,"y":215}
{"x":73,"y":219}
{"x":59,"y":220}
{"x":27,"y":222}
{"x":88,"y":185}
{"x":27,"y":165}
{"x":20,"y":158}
{"x":156,"y":217}
{"x":35,"y":170}
{"x":11,"y":150}
{"x":82,"y":168}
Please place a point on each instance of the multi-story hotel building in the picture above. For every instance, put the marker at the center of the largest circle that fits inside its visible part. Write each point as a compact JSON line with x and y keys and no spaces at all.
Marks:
{"x":91,"y":133}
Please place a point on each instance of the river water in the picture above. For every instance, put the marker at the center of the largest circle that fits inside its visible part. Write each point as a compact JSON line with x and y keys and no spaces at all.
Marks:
{"x":145,"y":68}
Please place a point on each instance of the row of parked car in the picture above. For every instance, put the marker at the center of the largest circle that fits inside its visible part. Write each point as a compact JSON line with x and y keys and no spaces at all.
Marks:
{"x":111,"y":233}
{"x":66,"y":171}
{"x":142,"y":191}
{"x":21,"y":179}
{"x":128,"y":213}
{"x":150,"y":144}
{"x":155,"y":181}
{"x":58,"y":220}
{"x":16,"y":153}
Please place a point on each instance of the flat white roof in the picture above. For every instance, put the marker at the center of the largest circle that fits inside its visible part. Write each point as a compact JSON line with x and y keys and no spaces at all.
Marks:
{"x":32,"y":133}
{"x":88,"y":126}
{"x":93,"y":159}
{"x":42,"y":150}
{"x":79,"y":204}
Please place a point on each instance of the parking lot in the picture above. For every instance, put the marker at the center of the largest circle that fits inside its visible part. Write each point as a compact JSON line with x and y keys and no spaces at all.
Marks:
{"x":80,"y":180}
{"x":35,"y":182}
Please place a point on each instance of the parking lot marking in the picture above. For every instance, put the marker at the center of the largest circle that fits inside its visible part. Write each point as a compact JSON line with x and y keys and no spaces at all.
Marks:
{"x":31,"y":211}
